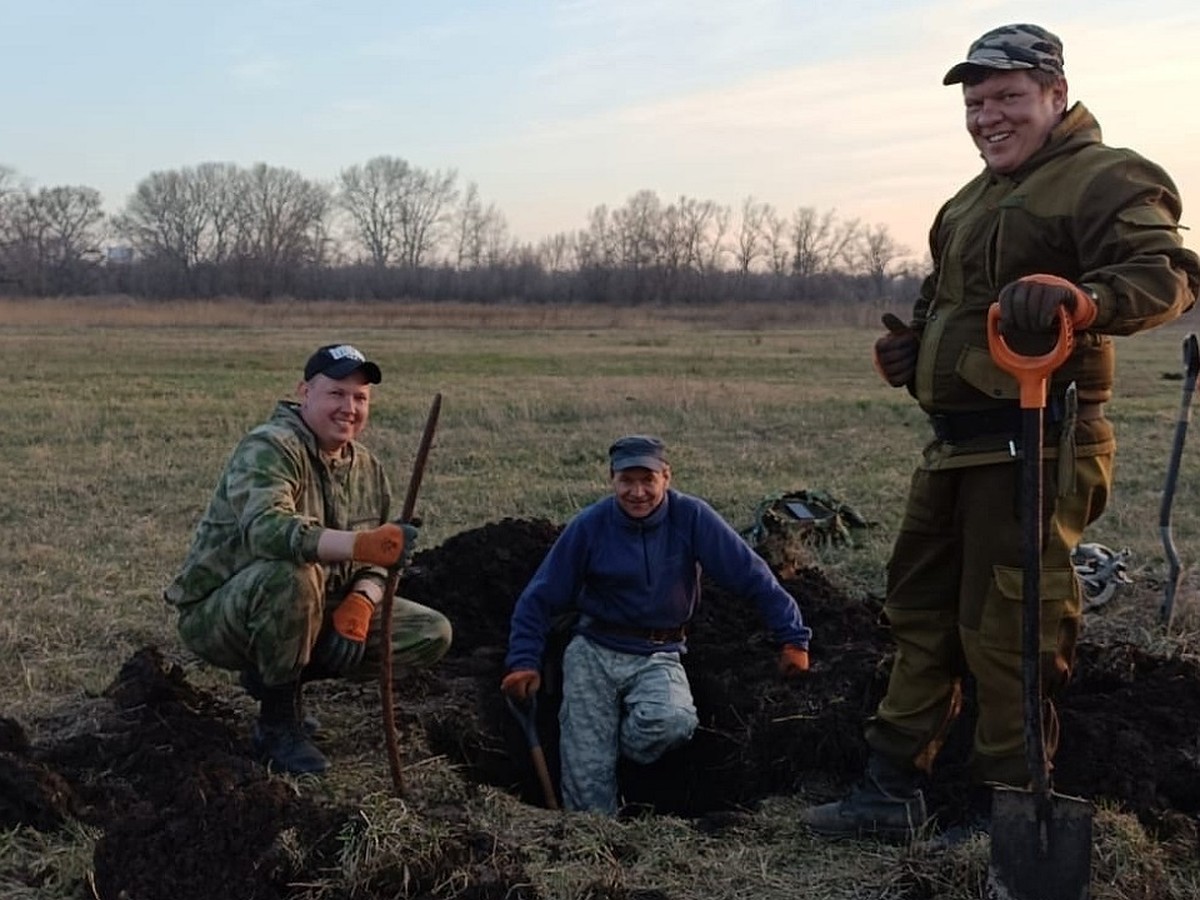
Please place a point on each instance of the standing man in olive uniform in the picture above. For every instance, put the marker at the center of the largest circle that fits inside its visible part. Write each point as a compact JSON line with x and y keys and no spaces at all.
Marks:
{"x":1055,"y":219}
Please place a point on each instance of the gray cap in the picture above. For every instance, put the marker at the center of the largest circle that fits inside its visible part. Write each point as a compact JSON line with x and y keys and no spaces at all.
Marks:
{"x":1011,"y":47}
{"x":638,"y":451}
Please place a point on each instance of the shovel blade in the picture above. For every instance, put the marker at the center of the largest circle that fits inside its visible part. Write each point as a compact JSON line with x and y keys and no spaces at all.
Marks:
{"x":1041,"y":846}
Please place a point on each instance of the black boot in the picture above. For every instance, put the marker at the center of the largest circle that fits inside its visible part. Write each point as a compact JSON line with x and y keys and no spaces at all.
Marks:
{"x":975,"y":819}
{"x":280,"y":738}
{"x":252,"y":683}
{"x":887,"y":804}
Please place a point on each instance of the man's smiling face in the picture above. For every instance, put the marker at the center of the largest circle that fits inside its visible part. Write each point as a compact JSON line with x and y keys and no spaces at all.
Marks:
{"x":1010,"y":116}
{"x":639,"y":491}
{"x":335,"y":409}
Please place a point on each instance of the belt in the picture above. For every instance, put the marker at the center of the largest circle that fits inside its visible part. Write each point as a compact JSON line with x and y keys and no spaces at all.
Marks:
{"x":653,"y":635}
{"x":954,"y":428}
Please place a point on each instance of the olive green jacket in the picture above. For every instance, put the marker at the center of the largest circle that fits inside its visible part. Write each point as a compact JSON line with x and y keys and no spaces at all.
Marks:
{"x":274,"y":499}
{"x":1099,"y":216}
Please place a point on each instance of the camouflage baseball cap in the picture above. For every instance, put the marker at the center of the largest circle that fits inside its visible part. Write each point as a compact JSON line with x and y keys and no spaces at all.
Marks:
{"x":1011,"y":47}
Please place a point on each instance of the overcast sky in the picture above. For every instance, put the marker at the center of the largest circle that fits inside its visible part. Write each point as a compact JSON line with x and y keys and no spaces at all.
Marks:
{"x":554,"y":108}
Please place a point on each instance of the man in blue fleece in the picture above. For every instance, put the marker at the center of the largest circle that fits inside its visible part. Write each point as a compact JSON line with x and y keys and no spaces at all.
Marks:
{"x":630,"y":565}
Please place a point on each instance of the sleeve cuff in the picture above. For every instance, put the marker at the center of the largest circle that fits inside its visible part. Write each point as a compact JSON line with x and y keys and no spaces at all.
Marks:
{"x":1105,"y":304}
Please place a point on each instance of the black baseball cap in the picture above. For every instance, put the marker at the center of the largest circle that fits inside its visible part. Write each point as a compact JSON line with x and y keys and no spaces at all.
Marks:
{"x":336,"y":361}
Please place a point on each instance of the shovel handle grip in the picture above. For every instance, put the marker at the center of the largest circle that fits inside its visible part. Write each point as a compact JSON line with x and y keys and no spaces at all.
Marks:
{"x":1032,"y":372}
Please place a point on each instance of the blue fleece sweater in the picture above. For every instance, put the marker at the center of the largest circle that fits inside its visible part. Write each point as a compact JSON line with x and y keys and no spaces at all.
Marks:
{"x":644,"y":573}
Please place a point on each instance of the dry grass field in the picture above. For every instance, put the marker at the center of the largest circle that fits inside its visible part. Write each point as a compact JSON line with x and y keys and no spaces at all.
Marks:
{"x":118,"y":416}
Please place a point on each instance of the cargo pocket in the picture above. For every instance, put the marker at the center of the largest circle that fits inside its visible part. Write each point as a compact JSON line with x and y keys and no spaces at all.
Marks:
{"x":1003,"y":611}
{"x":976,"y":367}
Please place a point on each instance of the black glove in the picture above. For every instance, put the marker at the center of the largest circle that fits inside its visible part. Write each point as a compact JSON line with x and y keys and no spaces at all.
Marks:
{"x":1031,"y":304}
{"x":896,"y":352}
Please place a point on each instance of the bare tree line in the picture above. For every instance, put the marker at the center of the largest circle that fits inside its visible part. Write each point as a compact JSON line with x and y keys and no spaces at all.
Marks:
{"x":387,"y":229}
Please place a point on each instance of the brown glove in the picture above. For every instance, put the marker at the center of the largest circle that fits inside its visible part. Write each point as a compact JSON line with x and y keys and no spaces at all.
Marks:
{"x":793,"y":660}
{"x":380,"y":546}
{"x":896,"y":352}
{"x":1031,"y":304}
{"x":521,"y":684}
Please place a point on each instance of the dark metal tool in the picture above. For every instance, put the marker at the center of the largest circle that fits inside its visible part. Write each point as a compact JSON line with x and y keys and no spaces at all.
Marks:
{"x":1041,"y":840}
{"x":1191,"y":368}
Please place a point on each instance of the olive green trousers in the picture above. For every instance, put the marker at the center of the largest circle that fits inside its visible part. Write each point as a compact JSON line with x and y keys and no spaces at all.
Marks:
{"x":953,"y":601}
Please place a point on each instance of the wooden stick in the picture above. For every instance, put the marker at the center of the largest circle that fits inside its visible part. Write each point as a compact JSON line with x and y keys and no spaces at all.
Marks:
{"x":386,"y":689}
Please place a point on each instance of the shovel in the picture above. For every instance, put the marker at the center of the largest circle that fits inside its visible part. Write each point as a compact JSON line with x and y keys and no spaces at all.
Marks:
{"x":525,"y":712}
{"x":1041,"y":841}
{"x":1191,"y":368}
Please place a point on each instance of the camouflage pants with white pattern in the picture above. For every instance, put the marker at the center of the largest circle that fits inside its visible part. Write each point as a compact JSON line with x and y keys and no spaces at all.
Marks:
{"x":617,"y":704}
{"x":268,"y":617}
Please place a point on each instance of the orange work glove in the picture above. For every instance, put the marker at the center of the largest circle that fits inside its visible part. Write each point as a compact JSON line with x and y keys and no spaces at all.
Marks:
{"x":1031,"y":304}
{"x":380,"y":546}
{"x":521,"y":684}
{"x":896,"y":352}
{"x":793,"y":660}
{"x":340,"y":648}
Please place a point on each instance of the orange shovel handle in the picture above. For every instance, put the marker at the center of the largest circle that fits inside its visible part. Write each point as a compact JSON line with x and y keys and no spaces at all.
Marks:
{"x":1032,"y":372}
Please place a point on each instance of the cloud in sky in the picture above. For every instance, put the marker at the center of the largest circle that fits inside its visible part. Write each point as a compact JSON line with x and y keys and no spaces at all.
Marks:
{"x":556,"y":106}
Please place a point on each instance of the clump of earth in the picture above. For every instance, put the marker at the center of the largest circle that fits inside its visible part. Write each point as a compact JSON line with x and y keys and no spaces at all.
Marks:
{"x":165,"y":769}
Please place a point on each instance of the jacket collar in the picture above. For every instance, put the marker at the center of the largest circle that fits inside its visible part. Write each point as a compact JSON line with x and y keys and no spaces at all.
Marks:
{"x":287,"y":412}
{"x":1077,"y":129}
{"x":653,"y":520}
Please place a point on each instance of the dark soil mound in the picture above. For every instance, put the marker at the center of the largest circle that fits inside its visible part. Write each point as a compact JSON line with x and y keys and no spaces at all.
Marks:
{"x":186,"y":813}
{"x":1130,"y":732}
{"x":167,"y":773}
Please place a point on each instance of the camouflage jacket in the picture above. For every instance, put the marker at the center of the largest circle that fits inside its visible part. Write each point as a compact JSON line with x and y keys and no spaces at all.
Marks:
{"x":1102,"y":217}
{"x":274,"y":499}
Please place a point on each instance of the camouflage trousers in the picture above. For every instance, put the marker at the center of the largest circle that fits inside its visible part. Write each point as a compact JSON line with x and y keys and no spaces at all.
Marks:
{"x":617,"y":704}
{"x":268,"y":617}
{"x":954,"y":603}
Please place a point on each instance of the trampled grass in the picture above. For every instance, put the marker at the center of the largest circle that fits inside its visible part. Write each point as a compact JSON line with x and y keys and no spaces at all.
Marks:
{"x":117,"y":419}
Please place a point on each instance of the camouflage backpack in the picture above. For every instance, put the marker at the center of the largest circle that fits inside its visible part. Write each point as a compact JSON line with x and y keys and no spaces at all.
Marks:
{"x":788,"y":526}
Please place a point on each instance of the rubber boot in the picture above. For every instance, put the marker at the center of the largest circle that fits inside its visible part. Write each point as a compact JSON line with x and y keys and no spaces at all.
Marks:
{"x":279,"y":737}
{"x":887,"y":803}
{"x":252,"y":683}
